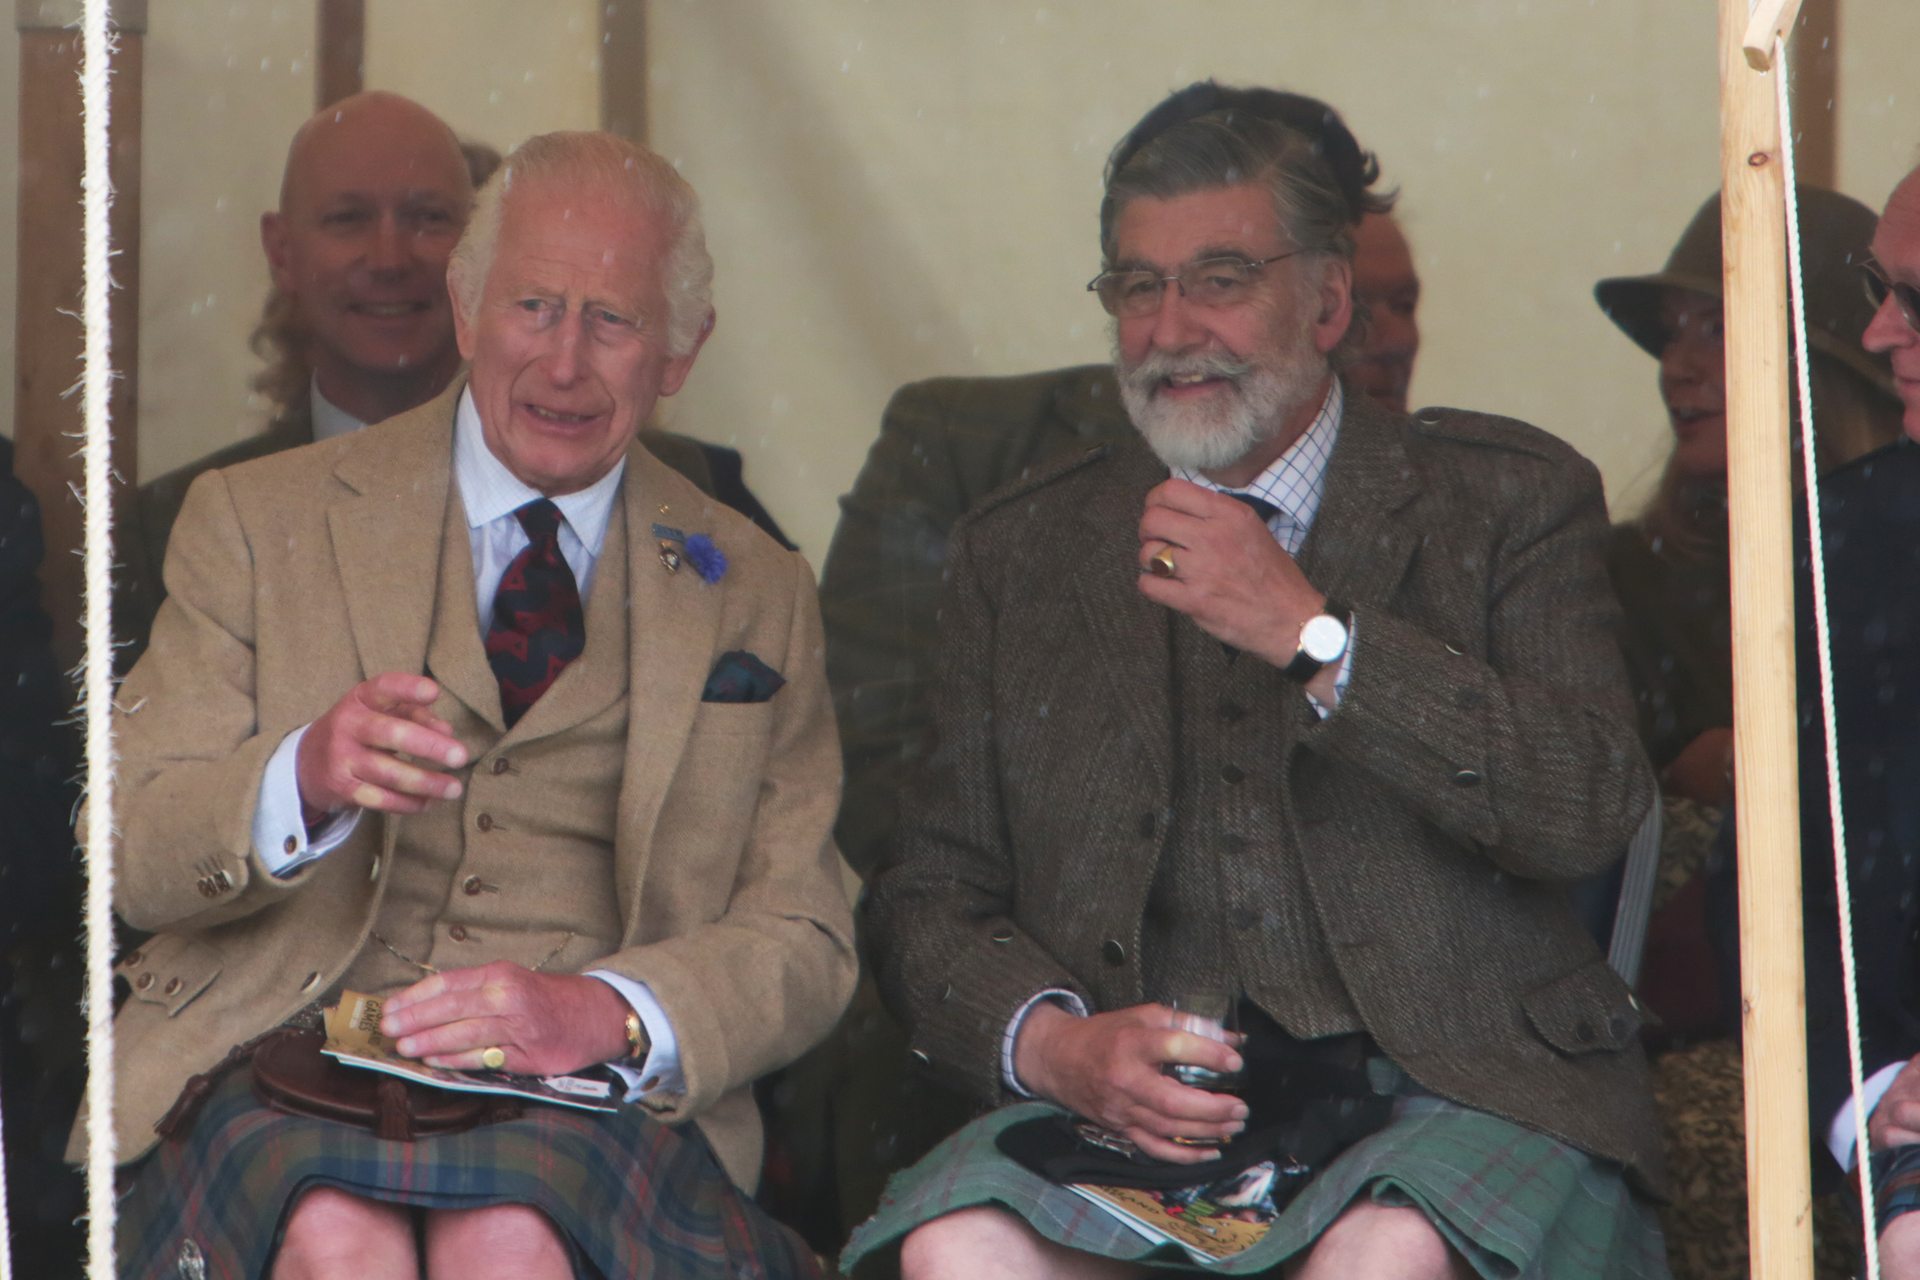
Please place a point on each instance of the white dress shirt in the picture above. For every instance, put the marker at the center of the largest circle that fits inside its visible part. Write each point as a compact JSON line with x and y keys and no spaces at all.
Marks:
{"x":490,"y":494}
{"x":1294,"y":483}
{"x":328,"y":419}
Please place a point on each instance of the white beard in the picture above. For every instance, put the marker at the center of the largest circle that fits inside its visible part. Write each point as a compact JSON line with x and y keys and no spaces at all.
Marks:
{"x":1210,"y":436}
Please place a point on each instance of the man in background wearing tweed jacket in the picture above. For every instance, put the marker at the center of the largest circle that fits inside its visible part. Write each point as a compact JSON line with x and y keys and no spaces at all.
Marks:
{"x":1329,"y":716}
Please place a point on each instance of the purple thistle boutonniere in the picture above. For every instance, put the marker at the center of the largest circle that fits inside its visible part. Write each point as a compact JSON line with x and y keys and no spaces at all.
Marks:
{"x":709,"y":561}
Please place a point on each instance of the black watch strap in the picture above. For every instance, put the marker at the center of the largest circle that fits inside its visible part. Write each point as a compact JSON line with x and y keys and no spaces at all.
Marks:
{"x":1304,"y":666}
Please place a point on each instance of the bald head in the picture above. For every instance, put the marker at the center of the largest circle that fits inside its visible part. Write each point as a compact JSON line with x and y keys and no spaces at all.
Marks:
{"x":373,"y":199}
{"x":1892,"y":331}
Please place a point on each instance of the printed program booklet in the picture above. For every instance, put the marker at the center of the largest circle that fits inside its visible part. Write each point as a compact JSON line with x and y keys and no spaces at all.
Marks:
{"x":1212,"y":1221}
{"x":353,"y":1037}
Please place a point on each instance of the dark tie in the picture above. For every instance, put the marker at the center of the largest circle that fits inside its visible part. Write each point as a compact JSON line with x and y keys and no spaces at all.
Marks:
{"x":1261,"y":507}
{"x":537,"y":626}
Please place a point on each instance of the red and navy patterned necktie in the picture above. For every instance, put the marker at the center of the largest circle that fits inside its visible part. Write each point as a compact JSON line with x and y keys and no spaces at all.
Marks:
{"x":537,"y":625}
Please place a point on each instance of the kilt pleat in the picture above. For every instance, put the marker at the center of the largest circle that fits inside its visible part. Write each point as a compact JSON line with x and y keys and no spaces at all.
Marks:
{"x":632,"y":1196}
{"x":1514,"y":1202}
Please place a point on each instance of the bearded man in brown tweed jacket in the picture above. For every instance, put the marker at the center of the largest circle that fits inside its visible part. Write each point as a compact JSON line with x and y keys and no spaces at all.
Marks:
{"x":1330,"y":716}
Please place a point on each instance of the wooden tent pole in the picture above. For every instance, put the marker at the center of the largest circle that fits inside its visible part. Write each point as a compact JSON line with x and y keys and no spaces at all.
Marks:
{"x":1760,"y":518}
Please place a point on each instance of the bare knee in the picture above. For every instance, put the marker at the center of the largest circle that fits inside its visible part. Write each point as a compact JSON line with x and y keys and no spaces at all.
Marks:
{"x":330,"y":1233}
{"x":989,"y":1244}
{"x":500,"y":1240}
{"x":1900,"y":1248}
{"x":1382,"y":1240}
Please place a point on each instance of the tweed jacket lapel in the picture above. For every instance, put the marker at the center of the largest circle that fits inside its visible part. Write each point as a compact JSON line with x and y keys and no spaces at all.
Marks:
{"x":455,"y":655}
{"x":1129,"y":637}
{"x":1361,"y":542}
{"x":672,"y":622}
{"x":387,"y":535}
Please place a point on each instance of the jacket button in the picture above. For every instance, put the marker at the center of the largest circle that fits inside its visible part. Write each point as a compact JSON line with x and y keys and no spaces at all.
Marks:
{"x":946,"y":993}
{"x":1584,"y":1032}
{"x":920,"y":1056}
{"x":133,"y":957}
{"x":458,"y":933}
{"x":1232,"y":712}
{"x":1113,"y":953}
{"x":500,"y":765}
{"x":484,"y":822}
{"x":1002,"y":934}
{"x":173,"y":986}
{"x":1232,"y":773}
{"x":1456,"y":652}
{"x":222,"y":880}
{"x":142,"y":982}
{"x":313,"y":980}
{"x":1466,"y":778}
{"x":470,"y":886}
{"x":1617,"y":1027}
{"x":1146,"y":824}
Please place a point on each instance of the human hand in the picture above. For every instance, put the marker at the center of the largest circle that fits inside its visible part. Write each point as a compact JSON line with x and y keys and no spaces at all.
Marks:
{"x":1703,"y":771}
{"x":1896,"y":1121}
{"x":546,"y":1023}
{"x":1230,"y":576}
{"x":350,"y":757}
{"x":1107,"y":1069}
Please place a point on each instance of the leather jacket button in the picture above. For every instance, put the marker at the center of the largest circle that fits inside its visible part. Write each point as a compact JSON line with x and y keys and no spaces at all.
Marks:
{"x":142,"y":982}
{"x":173,"y":986}
{"x":1584,"y":1032}
{"x":1002,"y":934}
{"x":500,"y":765}
{"x":458,"y":933}
{"x":133,"y":957}
{"x":1617,"y":1027}
{"x":470,"y":886}
{"x":1113,"y":952}
{"x":1466,"y":778}
{"x":484,"y":822}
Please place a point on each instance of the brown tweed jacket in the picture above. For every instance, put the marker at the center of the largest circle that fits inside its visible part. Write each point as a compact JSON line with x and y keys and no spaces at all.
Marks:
{"x":293,"y":577}
{"x":1483,"y":754}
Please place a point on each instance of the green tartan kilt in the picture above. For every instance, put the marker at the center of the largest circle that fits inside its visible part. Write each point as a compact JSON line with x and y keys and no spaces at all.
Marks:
{"x":632,"y":1197}
{"x":1513,"y":1202}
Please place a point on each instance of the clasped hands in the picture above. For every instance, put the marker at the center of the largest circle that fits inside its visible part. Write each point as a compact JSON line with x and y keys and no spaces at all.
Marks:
{"x":1230,"y":576}
{"x":1107,"y":1068}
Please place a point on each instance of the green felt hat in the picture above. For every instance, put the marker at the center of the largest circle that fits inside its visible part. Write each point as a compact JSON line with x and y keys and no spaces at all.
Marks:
{"x":1835,"y":231}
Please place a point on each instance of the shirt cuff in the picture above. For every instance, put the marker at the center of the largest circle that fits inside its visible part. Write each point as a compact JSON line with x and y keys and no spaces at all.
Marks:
{"x":1341,"y":679}
{"x":660,"y":1071}
{"x":280,"y":838}
{"x":1072,"y":1003}
{"x":1840,"y":1132}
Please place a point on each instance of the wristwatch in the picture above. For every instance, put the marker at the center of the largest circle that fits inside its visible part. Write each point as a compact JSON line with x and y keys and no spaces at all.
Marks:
{"x":1323,"y":639}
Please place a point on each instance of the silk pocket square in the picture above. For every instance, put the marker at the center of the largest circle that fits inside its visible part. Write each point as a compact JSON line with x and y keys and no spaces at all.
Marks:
{"x":741,"y":677}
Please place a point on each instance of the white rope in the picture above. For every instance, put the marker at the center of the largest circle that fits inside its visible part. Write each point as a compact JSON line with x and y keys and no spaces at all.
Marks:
{"x":97,"y":382}
{"x":1809,"y":466}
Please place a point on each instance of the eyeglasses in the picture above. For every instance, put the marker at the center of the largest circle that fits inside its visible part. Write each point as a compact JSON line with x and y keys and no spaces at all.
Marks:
{"x":1211,"y":282}
{"x":1880,"y":286}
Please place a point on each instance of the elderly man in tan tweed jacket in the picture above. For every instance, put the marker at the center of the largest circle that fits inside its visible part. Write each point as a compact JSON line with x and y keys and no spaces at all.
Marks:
{"x":1328,"y":716}
{"x":486,"y":710}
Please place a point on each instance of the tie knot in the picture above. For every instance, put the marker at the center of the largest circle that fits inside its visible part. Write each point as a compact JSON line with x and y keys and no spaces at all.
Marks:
{"x":1261,"y":507}
{"x":540,"y":518}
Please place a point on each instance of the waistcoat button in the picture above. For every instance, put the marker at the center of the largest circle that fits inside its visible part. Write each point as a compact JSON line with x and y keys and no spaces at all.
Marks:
{"x":1466,"y":778}
{"x":500,"y":765}
{"x":458,"y":933}
{"x":470,"y":886}
{"x":484,"y":822}
{"x":1113,"y":953}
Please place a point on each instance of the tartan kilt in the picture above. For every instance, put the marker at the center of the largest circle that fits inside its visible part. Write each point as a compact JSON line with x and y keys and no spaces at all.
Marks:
{"x":1513,"y":1202}
{"x":632,"y":1197}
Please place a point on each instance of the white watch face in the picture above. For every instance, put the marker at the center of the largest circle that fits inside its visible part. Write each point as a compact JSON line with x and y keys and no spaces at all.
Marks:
{"x":1324,"y":638}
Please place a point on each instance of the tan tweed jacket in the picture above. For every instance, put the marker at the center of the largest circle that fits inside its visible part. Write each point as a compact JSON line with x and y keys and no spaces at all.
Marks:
{"x":1484,"y":751}
{"x":295,"y":576}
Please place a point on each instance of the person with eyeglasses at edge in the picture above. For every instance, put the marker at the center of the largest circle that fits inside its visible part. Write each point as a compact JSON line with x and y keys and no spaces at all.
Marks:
{"x":1870,"y":524}
{"x":1294,"y":695}
{"x":852,"y":1113}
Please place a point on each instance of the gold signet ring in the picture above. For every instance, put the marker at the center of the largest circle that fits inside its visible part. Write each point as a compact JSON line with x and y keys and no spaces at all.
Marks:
{"x":493,"y":1057}
{"x":1161,"y":564}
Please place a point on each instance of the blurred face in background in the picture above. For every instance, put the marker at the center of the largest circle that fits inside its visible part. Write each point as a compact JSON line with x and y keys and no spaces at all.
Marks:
{"x":1693,"y":382}
{"x":1896,"y":248}
{"x":1384,"y":279}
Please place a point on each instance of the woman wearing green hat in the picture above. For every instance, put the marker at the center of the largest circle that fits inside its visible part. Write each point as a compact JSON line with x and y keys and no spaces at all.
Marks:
{"x":1669,"y":567}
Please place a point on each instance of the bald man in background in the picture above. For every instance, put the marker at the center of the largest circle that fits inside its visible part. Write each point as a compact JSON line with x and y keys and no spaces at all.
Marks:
{"x":374,"y":196}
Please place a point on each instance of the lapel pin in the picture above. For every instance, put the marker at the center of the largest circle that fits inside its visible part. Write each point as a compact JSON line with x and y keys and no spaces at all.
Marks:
{"x":670,"y":557}
{"x":708,"y":560}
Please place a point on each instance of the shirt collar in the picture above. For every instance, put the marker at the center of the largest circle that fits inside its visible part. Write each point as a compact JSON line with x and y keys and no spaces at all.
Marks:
{"x":329,"y":419}
{"x":490,"y":491}
{"x":1295,"y":480}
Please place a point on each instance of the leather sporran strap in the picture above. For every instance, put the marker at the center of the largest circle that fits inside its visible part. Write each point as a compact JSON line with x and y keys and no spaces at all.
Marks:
{"x":290,"y":1074}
